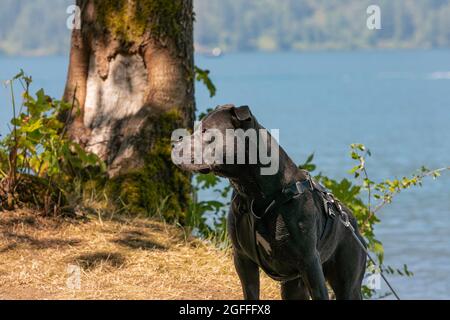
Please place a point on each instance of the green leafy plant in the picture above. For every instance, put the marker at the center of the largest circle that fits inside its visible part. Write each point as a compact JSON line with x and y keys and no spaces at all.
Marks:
{"x":208,"y":217}
{"x":39,"y":163}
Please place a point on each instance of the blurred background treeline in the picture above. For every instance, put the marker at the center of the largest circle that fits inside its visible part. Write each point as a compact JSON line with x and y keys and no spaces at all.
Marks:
{"x":263,"y":25}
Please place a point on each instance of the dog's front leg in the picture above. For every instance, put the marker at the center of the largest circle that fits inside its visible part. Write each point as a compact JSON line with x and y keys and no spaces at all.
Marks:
{"x":248,"y":273}
{"x":315,"y":279}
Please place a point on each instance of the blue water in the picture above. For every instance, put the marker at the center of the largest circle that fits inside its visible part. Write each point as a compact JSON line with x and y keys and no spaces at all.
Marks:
{"x":396,"y":102}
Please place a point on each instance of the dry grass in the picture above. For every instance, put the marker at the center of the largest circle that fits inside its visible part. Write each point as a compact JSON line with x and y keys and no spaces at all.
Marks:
{"x":117,"y":259}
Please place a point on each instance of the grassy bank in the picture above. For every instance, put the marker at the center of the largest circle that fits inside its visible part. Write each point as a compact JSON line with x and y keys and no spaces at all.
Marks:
{"x":118,"y":258}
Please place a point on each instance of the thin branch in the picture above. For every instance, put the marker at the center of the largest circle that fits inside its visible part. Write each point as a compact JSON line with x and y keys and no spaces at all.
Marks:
{"x":420,"y":177}
{"x":13,"y":153}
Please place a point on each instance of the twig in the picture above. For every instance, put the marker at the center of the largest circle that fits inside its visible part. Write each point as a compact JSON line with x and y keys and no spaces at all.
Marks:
{"x":13,"y":152}
{"x":420,"y":177}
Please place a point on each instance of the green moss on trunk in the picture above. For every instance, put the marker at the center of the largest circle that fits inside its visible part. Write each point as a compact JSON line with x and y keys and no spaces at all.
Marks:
{"x":159,"y":187}
{"x":129,"y":20}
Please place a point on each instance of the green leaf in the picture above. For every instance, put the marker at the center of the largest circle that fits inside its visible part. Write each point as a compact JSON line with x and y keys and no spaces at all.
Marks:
{"x":19,"y":75}
{"x":203,"y":76}
{"x":32,"y":126}
{"x":307,"y":165}
{"x":206,"y":181}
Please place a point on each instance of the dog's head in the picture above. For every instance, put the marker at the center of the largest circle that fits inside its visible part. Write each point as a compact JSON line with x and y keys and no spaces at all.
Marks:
{"x":227,"y":138}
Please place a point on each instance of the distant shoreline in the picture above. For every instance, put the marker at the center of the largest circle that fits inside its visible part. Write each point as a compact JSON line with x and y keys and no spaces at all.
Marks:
{"x":311,"y":50}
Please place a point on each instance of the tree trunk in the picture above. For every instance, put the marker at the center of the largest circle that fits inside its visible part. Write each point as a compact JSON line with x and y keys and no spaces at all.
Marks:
{"x":132,"y":79}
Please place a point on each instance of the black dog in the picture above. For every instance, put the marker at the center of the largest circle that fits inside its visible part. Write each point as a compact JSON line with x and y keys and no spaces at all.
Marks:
{"x":282,"y":223}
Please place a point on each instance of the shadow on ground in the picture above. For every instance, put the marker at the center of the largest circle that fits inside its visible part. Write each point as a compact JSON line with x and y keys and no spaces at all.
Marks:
{"x":91,"y":261}
{"x":138,"y":240}
{"x":16,"y":239}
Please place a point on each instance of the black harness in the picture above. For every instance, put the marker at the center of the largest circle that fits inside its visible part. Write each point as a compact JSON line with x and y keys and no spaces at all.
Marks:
{"x":295,"y":190}
{"x":292,"y":191}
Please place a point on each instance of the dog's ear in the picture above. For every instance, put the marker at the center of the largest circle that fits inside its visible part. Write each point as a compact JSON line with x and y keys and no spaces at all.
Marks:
{"x":242,"y":113}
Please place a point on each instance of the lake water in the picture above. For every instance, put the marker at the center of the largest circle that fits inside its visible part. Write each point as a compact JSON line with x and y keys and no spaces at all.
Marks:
{"x":397,"y":103}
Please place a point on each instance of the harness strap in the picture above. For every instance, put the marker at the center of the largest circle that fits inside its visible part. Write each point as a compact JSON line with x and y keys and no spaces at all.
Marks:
{"x":295,"y":190}
{"x":291,"y":191}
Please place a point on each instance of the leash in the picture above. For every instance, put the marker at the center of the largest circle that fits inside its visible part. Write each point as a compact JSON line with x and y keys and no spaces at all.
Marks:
{"x":346,"y":222}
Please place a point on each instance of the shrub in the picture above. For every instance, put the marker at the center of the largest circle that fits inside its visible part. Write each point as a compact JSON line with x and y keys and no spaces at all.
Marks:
{"x":39,"y":165}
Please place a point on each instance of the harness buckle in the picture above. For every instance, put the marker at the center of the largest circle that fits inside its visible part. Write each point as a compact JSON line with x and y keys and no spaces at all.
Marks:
{"x":330,"y":197}
{"x":346,"y":221}
{"x":344,"y":218}
{"x":330,"y":210}
{"x":310,"y":181}
{"x":299,"y":187}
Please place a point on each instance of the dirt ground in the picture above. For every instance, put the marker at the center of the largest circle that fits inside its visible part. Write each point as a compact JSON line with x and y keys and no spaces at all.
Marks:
{"x":94,"y":258}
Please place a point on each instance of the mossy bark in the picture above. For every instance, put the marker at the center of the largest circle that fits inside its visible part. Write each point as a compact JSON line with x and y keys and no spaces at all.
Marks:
{"x":157,"y":187}
{"x":131,"y":77}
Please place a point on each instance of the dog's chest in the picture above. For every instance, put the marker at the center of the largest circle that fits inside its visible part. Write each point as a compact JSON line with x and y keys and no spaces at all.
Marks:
{"x":272,"y":236}
{"x":269,"y":242}
{"x":281,"y":231}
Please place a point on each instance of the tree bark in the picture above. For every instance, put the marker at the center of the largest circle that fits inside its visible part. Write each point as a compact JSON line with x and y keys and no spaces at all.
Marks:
{"x":132,"y":79}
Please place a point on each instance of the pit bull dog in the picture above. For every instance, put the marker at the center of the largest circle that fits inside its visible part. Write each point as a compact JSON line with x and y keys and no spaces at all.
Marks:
{"x":283,"y":223}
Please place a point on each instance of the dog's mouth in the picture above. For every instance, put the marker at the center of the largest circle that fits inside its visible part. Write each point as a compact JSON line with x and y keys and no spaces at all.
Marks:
{"x":190,"y":167}
{"x":204,"y":171}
